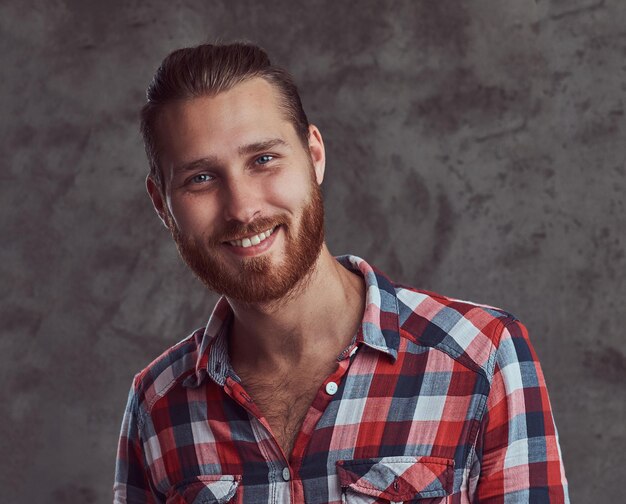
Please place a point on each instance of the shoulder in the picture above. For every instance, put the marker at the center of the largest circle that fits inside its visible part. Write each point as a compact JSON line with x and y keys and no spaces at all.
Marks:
{"x":167,"y":370}
{"x":469,"y":332}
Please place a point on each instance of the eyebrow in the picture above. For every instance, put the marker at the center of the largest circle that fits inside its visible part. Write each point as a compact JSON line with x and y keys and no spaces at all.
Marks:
{"x":211,"y":162}
{"x":261,"y":146}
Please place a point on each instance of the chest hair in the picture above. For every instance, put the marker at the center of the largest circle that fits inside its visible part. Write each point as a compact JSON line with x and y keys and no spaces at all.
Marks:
{"x":285,"y":400}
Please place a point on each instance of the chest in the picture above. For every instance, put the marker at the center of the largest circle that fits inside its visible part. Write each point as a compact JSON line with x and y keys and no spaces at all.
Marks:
{"x":284,"y":401}
{"x":379,"y":422}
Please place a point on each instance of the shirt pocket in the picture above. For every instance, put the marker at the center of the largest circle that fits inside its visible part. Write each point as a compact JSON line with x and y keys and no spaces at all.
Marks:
{"x":208,"y":489}
{"x":396,"y":479}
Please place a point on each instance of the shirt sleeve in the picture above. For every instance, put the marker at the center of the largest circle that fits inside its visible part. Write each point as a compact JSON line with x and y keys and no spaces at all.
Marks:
{"x":518,"y":447}
{"x":132,"y":479}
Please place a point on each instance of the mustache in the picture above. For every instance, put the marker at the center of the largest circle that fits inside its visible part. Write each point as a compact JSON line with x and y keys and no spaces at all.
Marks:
{"x":236,"y":230}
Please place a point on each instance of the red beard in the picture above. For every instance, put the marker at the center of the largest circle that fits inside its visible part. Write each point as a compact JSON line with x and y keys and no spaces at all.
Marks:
{"x":257,"y":280}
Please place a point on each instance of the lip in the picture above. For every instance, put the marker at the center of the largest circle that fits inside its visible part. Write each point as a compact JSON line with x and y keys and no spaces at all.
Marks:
{"x":254,"y":249}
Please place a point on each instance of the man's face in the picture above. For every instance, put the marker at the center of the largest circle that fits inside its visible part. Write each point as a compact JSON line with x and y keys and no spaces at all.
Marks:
{"x":242,"y":196}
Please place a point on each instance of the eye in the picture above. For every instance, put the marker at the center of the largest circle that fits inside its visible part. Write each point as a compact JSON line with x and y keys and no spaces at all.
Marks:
{"x":264,"y":159}
{"x":200,"y":178}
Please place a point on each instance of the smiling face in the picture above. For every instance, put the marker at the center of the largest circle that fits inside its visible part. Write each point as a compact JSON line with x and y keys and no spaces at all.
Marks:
{"x":241,"y":193}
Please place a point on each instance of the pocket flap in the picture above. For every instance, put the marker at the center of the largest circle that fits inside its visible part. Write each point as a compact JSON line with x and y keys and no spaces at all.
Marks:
{"x":207,"y":489}
{"x":398,"y":478}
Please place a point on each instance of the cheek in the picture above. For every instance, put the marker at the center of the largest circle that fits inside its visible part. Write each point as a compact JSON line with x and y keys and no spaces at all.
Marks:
{"x":192,"y":216}
{"x":291,"y":191}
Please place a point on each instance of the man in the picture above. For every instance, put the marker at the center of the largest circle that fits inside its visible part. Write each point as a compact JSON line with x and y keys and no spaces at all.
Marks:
{"x":316,"y":379}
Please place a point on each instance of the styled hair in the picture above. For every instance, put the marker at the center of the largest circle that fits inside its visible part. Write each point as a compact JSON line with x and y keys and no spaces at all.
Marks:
{"x":207,"y":70}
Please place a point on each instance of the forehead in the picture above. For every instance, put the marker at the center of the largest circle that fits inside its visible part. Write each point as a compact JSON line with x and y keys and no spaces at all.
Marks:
{"x":219,"y":125}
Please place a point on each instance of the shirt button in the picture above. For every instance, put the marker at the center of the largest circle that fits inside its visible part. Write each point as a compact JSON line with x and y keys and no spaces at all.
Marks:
{"x":286,"y":474}
{"x":331,"y":388}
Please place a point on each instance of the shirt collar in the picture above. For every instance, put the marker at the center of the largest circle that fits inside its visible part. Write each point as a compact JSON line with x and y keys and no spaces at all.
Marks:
{"x":379,"y":329}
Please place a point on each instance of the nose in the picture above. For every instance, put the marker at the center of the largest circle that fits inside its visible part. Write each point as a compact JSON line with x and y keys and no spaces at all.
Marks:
{"x":241,"y":200}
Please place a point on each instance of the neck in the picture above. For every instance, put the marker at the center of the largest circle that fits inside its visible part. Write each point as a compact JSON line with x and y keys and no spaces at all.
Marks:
{"x":315,"y":321}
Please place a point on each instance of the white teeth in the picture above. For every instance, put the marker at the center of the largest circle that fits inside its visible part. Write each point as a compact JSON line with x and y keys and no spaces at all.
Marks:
{"x":252,"y":240}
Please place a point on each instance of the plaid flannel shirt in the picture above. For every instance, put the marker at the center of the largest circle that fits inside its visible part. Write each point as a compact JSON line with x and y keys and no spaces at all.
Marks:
{"x":435,"y":401}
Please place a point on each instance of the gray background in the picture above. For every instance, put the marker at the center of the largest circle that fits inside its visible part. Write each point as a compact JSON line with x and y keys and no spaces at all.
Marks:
{"x":475,"y":148}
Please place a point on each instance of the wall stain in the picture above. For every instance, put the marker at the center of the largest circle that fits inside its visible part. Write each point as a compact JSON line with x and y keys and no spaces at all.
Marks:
{"x":20,"y":320}
{"x":607,"y":363}
{"x":566,"y":8}
{"x":27,"y":380}
{"x":516,"y":126}
{"x":525,"y":248}
{"x":414,"y":191}
{"x":597,"y":130}
{"x":444,"y":227}
{"x":478,"y":204}
{"x":74,"y":493}
{"x":440,"y":24}
{"x":462,"y":98}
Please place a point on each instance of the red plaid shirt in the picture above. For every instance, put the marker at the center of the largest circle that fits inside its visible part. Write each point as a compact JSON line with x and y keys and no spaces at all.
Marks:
{"x":436,"y":400}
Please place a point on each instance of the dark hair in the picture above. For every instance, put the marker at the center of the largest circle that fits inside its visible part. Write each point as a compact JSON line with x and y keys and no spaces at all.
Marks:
{"x":207,"y":70}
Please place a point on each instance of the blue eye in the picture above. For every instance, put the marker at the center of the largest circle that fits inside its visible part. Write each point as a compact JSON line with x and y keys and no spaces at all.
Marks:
{"x":200,"y":178}
{"x":266,"y":158}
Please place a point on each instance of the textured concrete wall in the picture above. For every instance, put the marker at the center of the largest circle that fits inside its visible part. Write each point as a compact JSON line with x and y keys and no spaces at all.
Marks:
{"x":475,"y":148}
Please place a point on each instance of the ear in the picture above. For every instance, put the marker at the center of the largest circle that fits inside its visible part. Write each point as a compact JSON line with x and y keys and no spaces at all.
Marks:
{"x":317,"y":152}
{"x":157,"y":197}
